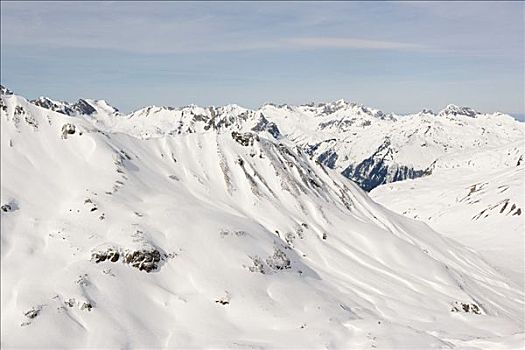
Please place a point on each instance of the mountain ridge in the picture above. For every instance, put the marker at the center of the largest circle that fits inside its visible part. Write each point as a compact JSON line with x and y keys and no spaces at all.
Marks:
{"x":330,"y":107}
{"x":369,"y":147}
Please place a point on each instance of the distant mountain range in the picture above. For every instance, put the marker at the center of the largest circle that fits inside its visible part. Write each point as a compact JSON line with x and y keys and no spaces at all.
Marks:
{"x":366,"y":145}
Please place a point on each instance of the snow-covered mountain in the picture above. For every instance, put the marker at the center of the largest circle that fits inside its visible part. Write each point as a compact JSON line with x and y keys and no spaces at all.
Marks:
{"x":219,"y":227}
{"x":84,"y":107}
{"x":366,"y":145}
{"x":477,"y":200}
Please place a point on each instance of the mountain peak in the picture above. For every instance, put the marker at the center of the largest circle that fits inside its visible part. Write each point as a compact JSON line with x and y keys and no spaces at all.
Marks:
{"x":454,"y":110}
{"x":96,"y":105}
{"x":426,"y":111}
{"x":5,"y":91}
{"x":81,"y":107}
{"x":57,"y":106}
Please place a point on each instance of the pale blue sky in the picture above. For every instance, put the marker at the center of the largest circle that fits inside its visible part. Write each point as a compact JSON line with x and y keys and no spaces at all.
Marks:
{"x":400,"y":57}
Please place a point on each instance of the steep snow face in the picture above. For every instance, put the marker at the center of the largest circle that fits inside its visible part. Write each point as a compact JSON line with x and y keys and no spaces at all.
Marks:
{"x":467,"y":200}
{"x":220,"y":239}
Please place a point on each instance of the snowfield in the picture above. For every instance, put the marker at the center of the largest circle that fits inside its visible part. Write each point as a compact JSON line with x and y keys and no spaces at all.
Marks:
{"x":476,"y":205}
{"x":142,"y":231}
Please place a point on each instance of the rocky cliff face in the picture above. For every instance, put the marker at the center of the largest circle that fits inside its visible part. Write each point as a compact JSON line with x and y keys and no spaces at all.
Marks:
{"x":373,"y":172}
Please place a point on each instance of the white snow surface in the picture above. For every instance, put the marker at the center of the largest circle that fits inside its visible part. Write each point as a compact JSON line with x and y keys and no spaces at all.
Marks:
{"x":261,"y":247}
{"x":481,"y":207}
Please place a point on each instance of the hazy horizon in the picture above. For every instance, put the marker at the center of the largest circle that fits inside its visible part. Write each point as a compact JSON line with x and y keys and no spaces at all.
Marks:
{"x":517,"y":116}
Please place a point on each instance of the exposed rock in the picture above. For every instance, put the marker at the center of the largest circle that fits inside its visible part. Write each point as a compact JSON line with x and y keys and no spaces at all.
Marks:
{"x":426,"y":111}
{"x":245,"y":139}
{"x":265,"y":125}
{"x":110,"y":254}
{"x":225,"y":300}
{"x":466,"y":307}
{"x":144,"y":260}
{"x":373,"y":172}
{"x":5,"y":91}
{"x":279,"y":260}
{"x":68,"y":129}
{"x":83,"y":305}
{"x":30,"y":120}
{"x":56,"y":106}
{"x":31,"y":315}
{"x":34,"y":312}
{"x":10,"y":206}
{"x":378,"y":169}
{"x":456,"y":110}
{"x":83,"y":107}
{"x":328,"y":158}
{"x":86,"y":306}
{"x":3,"y":106}
{"x":258,"y":265}
{"x":19,"y":110}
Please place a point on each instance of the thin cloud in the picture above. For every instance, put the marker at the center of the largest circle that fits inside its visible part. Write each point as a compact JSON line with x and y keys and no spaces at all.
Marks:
{"x":301,"y":43}
{"x":176,"y":47}
{"x":350,"y":43}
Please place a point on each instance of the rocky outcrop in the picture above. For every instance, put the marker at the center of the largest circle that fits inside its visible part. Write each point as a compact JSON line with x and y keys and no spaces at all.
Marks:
{"x":265,"y":125}
{"x":466,"y":307}
{"x":453,"y":110}
{"x":68,"y":129}
{"x":245,"y":139}
{"x":5,"y":91}
{"x":328,"y":158}
{"x":278,"y":261}
{"x":373,"y":172}
{"x":110,"y":254}
{"x":380,"y":168}
{"x":81,"y":107}
{"x":11,"y":205}
{"x":56,"y":106}
{"x":146,"y":259}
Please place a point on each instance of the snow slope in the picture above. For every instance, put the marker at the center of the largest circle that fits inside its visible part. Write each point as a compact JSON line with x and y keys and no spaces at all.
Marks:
{"x":476,"y":199}
{"x":220,"y":239}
